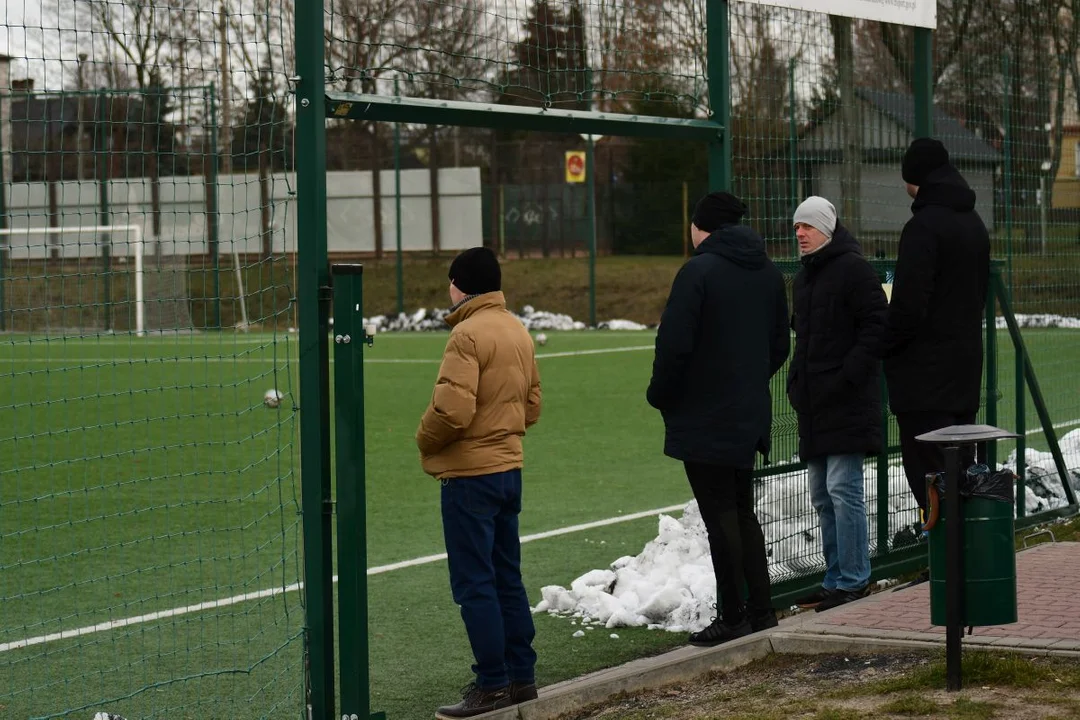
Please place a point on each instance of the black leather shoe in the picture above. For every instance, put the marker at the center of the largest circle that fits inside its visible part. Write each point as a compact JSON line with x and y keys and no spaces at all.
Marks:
{"x":720,"y":632}
{"x":841,"y":597}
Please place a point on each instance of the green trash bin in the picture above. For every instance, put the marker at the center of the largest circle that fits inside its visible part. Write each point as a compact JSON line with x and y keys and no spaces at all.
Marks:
{"x":989,"y":555}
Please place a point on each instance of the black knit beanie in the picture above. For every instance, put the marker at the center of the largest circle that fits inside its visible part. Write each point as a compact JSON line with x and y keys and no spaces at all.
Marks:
{"x":923,"y":156}
{"x":716,"y":209}
{"x":476,"y":271}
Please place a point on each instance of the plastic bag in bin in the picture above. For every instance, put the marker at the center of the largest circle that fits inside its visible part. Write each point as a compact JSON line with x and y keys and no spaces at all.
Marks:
{"x":978,"y":482}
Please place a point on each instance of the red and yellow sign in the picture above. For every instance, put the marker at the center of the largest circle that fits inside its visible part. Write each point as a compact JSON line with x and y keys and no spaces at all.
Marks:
{"x":575,"y":166}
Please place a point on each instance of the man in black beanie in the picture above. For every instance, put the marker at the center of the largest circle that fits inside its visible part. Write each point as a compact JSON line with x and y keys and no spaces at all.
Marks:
{"x":486,"y":395}
{"x":723,"y":335}
{"x":933,"y":342}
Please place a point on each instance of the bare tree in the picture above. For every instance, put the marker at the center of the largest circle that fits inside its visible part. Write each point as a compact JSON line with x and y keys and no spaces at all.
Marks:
{"x":136,"y":31}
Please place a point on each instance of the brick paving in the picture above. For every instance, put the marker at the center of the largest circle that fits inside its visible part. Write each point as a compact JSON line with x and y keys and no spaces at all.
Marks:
{"x":1048,"y":608}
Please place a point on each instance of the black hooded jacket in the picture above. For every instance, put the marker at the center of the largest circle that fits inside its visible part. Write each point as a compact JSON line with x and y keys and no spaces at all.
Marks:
{"x":834,"y":380}
{"x":723,"y":335}
{"x":934,"y":344}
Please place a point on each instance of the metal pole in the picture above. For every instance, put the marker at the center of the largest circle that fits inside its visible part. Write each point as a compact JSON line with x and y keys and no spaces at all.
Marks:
{"x":954,"y":569}
{"x":349,"y":339}
{"x":1021,"y":441}
{"x":924,"y":82}
{"x":718,"y":29}
{"x":793,"y":149}
{"x":502,"y":221}
{"x":313,"y":309}
{"x":397,"y":211}
{"x":991,"y":372}
{"x":213,"y":215}
{"x":1043,"y":192}
{"x":1007,"y":149}
{"x":883,"y":510}
{"x":104,"y":158}
{"x":686,"y":218}
{"x":590,"y":168}
{"x":4,"y":102}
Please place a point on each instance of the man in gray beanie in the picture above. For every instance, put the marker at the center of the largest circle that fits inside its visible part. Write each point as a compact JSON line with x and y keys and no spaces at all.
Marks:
{"x":834,"y":387}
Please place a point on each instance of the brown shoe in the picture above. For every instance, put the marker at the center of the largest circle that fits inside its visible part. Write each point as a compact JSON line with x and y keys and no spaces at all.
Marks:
{"x":522,"y":692}
{"x":476,"y":701}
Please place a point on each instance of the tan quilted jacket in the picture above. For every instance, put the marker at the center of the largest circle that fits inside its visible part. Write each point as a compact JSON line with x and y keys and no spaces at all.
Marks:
{"x":487,"y":393}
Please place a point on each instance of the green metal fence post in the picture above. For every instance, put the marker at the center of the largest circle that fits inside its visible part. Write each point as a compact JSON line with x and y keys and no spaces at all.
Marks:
{"x":213,"y":210}
{"x":1006,"y":61}
{"x":3,"y":225}
{"x":793,"y":149}
{"x":924,"y":82}
{"x":397,"y":210}
{"x":882,"y":510}
{"x":104,"y":159}
{"x":991,"y":364}
{"x":718,"y":37}
{"x":313,"y":310}
{"x":590,"y":189}
{"x":1021,"y":442}
{"x":349,"y":339}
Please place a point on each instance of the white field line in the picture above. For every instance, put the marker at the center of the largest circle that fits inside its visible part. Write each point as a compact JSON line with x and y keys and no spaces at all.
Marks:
{"x":272,"y":592}
{"x":229,"y":360}
{"x":1056,"y":426}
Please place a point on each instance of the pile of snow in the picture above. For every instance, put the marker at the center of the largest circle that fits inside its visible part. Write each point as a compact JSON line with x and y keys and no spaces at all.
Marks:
{"x":1041,"y":321}
{"x":1043,"y":489}
{"x":424,"y":320}
{"x":670,"y":585}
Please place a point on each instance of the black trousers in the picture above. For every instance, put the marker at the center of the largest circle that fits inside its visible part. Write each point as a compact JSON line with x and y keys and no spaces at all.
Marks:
{"x":725,"y":496}
{"x":921,"y":458}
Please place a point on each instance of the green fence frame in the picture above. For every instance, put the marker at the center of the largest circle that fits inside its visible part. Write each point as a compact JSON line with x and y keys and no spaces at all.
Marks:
{"x":315,"y":103}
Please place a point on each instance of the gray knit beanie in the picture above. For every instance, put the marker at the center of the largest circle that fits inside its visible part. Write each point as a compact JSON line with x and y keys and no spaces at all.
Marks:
{"x":817,"y":212}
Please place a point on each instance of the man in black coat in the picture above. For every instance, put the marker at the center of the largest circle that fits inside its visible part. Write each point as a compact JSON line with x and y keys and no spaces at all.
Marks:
{"x":834,"y":384}
{"x":723,"y":335}
{"x":933,"y":346}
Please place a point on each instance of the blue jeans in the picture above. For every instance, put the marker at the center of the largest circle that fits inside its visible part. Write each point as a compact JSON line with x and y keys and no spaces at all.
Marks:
{"x":480,"y":525}
{"x":836,"y":492}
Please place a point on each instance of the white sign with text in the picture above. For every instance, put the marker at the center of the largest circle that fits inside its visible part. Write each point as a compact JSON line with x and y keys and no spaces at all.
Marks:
{"x":921,"y":13}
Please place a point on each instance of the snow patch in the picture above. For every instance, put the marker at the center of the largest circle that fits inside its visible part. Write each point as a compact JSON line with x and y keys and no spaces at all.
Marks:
{"x":670,"y":585}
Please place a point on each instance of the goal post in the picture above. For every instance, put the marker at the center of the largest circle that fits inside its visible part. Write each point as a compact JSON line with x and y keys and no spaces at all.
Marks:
{"x":136,"y":242}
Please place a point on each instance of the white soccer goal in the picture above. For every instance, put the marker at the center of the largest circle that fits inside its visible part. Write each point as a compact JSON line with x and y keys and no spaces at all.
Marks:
{"x":137,"y":246}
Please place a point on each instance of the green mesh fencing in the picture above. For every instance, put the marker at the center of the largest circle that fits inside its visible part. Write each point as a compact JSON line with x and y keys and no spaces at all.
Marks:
{"x":149,"y":529}
{"x":555,"y":53}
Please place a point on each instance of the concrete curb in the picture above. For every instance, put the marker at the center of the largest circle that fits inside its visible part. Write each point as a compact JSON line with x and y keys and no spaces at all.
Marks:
{"x":687,"y":663}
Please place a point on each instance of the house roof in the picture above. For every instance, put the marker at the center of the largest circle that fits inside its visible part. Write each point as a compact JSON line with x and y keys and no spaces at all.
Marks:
{"x":962,"y":144}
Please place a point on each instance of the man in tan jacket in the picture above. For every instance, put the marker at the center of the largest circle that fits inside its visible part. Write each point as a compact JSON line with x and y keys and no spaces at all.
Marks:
{"x":487,"y":394}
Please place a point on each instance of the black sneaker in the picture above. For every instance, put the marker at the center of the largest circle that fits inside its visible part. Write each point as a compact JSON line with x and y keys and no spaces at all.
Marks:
{"x":763,"y":621}
{"x":841,"y":597}
{"x":522,"y":692}
{"x":811,"y":601}
{"x":476,"y":701}
{"x":721,"y":632}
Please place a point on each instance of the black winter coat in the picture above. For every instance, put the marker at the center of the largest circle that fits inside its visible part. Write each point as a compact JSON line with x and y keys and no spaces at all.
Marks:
{"x":934,"y":344}
{"x":834,"y":380}
{"x":723,"y":335}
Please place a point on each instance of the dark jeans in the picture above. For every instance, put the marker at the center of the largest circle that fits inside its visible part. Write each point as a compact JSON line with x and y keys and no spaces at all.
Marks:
{"x":921,"y":458}
{"x":480,"y":524}
{"x":725,"y":496}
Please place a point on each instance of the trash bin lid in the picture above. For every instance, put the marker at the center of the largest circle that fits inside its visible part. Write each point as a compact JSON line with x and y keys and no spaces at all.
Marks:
{"x":965,"y":434}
